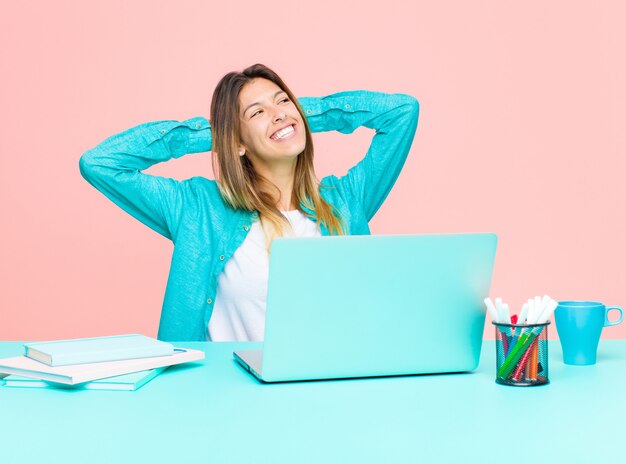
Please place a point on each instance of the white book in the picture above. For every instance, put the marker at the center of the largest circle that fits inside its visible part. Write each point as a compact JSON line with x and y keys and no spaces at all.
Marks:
{"x":79,"y":373}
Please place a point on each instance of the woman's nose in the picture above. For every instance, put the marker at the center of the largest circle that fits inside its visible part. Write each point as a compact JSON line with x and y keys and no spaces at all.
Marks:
{"x":279,"y":116}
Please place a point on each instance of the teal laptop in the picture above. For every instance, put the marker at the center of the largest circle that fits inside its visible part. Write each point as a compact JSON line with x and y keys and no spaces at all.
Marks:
{"x":364,"y":306}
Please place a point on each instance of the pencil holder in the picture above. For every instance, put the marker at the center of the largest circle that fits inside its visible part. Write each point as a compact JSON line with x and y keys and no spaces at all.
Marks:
{"x":522,"y":354}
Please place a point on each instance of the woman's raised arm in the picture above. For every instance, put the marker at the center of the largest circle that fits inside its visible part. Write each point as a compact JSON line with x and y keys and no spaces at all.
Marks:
{"x":392,"y":116}
{"x":114,"y":168}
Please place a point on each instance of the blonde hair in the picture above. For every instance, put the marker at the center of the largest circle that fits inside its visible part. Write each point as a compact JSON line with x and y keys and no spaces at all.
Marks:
{"x":238,"y":182}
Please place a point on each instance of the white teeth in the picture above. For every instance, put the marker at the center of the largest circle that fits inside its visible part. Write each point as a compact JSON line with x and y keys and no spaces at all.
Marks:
{"x":283,"y":133}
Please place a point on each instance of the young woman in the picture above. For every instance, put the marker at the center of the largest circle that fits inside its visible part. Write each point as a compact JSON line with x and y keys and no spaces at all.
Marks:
{"x":265,"y":187}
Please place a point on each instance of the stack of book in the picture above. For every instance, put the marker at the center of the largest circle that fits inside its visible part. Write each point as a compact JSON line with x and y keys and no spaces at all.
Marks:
{"x":122,"y":362}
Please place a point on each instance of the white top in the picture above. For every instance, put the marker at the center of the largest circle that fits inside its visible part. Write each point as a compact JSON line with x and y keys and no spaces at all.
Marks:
{"x":239,"y":307}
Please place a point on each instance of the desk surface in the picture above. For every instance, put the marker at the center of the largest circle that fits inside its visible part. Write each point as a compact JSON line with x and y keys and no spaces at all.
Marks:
{"x":213,"y":411}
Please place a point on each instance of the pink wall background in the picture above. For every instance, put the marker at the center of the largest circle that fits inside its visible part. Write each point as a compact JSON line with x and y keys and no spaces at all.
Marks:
{"x":522,"y":132}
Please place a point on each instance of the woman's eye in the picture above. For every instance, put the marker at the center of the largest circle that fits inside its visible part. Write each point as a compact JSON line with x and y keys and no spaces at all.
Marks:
{"x":284,"y":100}
{"x":256,"y":112}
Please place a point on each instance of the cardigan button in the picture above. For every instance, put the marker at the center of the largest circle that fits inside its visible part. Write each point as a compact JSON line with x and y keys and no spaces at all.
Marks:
{"x":209,"y":301}
{"x":246,"y":228}
{"x":221,"y":257}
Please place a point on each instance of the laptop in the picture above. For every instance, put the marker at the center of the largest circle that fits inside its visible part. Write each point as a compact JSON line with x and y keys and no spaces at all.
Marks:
{"x":368,"y":306}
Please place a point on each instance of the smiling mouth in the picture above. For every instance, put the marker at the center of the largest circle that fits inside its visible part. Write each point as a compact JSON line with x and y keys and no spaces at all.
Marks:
{"x":284,"y":133}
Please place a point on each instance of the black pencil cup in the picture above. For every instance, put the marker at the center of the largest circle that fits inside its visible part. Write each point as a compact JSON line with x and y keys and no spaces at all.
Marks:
{"x":522,"y":354}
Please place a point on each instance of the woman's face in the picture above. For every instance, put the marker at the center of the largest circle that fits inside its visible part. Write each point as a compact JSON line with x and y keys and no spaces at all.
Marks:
{"x":272,"y":130}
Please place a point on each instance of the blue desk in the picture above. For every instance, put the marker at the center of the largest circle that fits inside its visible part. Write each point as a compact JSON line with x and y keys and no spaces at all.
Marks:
{"x":213,"y":411}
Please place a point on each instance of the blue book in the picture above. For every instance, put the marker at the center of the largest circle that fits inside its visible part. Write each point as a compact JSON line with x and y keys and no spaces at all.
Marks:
{"x":78,"y":373}
{"x":99,"y":349}
{"x":128,"y":382}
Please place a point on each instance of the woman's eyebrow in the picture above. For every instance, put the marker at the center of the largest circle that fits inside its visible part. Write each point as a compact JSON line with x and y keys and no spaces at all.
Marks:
{"x":258,"y":103}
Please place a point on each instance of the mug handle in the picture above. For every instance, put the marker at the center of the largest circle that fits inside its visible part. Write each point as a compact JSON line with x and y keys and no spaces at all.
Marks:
{"x":606,"y":317}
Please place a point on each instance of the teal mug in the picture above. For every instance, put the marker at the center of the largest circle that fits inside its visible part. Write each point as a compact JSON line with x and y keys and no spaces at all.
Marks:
{"x":579,"y":325}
